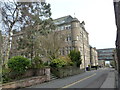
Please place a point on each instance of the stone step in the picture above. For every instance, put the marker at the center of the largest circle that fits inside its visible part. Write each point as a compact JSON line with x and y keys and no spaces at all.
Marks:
{"x":53,"y":77}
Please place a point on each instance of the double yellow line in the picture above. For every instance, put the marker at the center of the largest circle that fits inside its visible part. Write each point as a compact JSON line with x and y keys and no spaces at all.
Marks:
{"x":78,"y":81}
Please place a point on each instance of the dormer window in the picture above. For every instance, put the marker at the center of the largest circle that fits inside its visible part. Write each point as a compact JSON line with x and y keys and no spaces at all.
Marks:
{"x":62,"y":27}
{"x":68,"y":27}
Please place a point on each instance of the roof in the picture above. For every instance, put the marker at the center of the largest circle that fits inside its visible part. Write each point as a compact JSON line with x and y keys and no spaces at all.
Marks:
{"x":75,"y":19}
{"x":68,"y":19}
{"x":63,"y":20}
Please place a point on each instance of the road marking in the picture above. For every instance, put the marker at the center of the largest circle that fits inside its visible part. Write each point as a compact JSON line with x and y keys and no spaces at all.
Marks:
{"x":78,"y":81}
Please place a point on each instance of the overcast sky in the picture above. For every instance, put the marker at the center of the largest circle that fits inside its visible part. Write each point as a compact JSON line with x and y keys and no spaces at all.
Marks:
{"x":98,"y":16}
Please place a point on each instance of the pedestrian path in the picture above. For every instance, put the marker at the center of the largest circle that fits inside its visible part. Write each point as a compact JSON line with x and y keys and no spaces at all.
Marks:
{"x":110,"y":80}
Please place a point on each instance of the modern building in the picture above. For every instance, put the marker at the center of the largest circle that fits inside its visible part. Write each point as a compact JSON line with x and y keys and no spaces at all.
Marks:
{"x":93,"y":56}
{"x":106,"y":54}
{"x":76,"y":37}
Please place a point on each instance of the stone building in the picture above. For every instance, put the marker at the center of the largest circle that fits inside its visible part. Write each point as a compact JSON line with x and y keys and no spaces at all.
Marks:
{"x":93,"y":56}
{"x":117,"y":17}
{"x":116,"y":59}
{"x":101,"y":63}
{"x":76,"y":37}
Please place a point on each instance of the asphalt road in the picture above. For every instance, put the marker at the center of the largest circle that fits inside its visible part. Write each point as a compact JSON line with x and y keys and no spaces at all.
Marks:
{"x":89,"y":79}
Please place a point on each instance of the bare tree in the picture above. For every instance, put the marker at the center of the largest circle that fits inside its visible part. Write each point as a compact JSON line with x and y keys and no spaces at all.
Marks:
{"x":11,"y":19}
{"x":50,"y":44}
{"x":19,"y":15}
{"x":40,"y":23}
{"x":1,"y":45}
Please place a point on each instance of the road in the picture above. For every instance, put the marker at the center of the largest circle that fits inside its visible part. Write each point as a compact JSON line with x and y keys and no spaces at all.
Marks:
{"x":89,"y":79}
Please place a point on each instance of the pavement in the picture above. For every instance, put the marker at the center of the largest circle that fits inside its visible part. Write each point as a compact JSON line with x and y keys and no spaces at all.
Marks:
{"x":110,"y":81}
{"x":119,"y":82}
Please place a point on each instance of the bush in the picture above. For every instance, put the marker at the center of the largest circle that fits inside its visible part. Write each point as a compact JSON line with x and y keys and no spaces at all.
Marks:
{"x":47,"y":63}
{"x":75,"y":56}
{"x":58,"y":63}
{"x":71,"y":63}
{"x":78,"y":63}
{"x":18,"y":64}
{"x":66,"y":58}
{"x":37,"y":62}
{"x":5,"y":75}
{"x":5,"y":78}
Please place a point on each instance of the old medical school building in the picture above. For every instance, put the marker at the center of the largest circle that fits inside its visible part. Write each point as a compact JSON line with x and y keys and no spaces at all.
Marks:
{"x":76,"y":38}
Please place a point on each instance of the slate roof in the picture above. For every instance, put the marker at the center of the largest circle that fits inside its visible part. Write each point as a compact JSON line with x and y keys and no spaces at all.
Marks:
{"x":63,"y":20}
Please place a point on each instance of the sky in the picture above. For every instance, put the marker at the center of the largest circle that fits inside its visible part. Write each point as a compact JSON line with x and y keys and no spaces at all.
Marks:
{"x":98,"y":16}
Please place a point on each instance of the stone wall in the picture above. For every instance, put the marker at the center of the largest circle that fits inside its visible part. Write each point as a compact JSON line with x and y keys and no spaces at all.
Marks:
{"x":66,"y":71}
{"x":40,"y":78}
{"x":25,"y":82}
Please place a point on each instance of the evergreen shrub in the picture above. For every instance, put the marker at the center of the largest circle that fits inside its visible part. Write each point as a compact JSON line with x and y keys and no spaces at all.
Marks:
{"x":75,"y":56}
{"x":58,"y":63}
{"x":18,"y":64}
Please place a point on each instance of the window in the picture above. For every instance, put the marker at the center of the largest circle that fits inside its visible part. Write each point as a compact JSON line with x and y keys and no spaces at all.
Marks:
{"x":63,"y":53}
{"x":62,"y":27}
{"x":60,"y":53}
{"x":77,"y":37}
{"x":67,"y":27}
{"x":68,"y":38}
{"x":70,"y":48}
{"x":58,"y":28}
{"x":67,"y":51}
{"x":77,"y":24}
